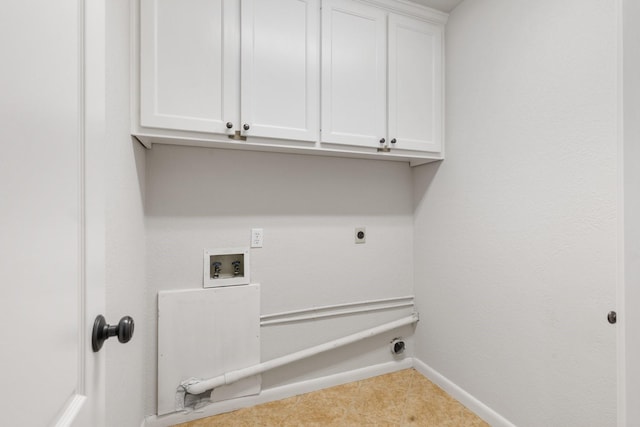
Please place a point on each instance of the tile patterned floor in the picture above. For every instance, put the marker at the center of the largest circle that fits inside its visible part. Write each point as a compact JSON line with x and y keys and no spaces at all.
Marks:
{"x":404,"y":398}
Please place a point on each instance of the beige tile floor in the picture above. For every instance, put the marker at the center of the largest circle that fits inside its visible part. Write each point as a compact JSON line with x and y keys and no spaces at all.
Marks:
{"x":404,"y":398}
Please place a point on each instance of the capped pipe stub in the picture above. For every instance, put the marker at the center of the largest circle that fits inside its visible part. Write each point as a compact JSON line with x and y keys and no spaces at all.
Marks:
{"x":398,"y":346}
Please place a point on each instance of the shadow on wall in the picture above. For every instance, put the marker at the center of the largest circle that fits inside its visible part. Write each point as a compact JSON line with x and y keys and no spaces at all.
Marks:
{"x":192,"y":181}
{"x":423,"y":177}
{"x":139,"y":160}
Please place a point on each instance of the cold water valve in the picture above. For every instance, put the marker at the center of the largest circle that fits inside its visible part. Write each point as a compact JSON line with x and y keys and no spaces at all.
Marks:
{"x":217,"y":266}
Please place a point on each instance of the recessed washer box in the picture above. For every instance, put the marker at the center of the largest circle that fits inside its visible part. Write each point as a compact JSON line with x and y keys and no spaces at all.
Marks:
{"x":226,"y":267}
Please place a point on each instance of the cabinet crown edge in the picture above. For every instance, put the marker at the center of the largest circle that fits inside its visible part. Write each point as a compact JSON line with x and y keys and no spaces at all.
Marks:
{"x":414,"y":10}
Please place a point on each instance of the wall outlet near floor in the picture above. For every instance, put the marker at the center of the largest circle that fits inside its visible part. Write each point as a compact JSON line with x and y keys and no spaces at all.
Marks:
{"x":361,"y":235}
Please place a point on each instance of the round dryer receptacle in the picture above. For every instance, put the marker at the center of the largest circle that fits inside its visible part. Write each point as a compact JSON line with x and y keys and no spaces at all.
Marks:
{"x":398,"y":346}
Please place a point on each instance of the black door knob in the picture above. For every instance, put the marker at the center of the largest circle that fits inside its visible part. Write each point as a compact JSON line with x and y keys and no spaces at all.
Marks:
{"x":393,"y":141}
{"x":246,"y":126}
{"x":102,"y":331}
{"x":229,"y":125}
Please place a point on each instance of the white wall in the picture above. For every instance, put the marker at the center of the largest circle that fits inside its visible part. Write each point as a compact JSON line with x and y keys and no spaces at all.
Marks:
{"x":125,"y":240}
{"x":308,"y":207}
{"x":515,"y":232}
{"x":631,"y":315}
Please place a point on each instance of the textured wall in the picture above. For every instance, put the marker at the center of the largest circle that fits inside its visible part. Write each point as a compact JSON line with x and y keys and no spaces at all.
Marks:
{"x":515,"y":233}
{"x":308,"y":207}
{"x":125,"y":240}
{"x":631,"y":314}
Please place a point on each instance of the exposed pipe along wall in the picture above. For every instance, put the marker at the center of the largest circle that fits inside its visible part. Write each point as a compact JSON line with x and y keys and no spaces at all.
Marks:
{"x":195,"y":386}
{"x":482,"y":178}
{"x":309,"y":258}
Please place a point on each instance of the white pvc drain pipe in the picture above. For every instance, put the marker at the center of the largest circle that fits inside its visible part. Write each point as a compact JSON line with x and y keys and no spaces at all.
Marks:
{"x":198,"y":386}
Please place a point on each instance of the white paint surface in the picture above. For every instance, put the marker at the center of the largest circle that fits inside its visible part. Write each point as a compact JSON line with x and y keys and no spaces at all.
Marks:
{"x":354,"y":93}
{"x":203,"y":333}
{"x":515,"y":233}
{"x":51,"y":221}
{"x":189,"y":64}
{"x":40,"y":211}
{"x":280,"y":69}
{"x":125,"y":240}
{"x":630,"y":316}
{"x":415,"y":85}
{"x":201,"y":198}
{"x":442,"y":5}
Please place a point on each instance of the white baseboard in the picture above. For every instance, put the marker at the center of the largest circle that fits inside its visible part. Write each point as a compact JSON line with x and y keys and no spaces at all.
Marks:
{"x":283,"y":392}
{"x":476,"y":406}
{"x":278,"y":393}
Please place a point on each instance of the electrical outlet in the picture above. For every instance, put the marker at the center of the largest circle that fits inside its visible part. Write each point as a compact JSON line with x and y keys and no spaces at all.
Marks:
{"x":361,"y":235}
{"x":257,"y":235}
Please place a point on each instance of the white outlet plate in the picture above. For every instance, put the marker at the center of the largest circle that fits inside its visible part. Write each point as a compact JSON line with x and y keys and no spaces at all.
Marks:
{"x":360,"y":231}
{"x":257,"y":236}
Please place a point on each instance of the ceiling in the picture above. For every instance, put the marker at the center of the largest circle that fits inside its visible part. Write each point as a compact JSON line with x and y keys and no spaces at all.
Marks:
{"x":443,"y":5}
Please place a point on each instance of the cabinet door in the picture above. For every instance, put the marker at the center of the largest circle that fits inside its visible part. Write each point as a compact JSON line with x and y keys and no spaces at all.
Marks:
{"x":415,"y":84}
{"x":280,"y":68}
{"x":353,"y":73}
{"x":189,"y":64}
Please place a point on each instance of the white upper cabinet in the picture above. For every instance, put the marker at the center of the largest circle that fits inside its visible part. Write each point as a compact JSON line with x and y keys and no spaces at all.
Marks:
{"x":354,"y":73}
{"x":281,"y":68}
{"x":224,"y":66}
{"x":415,"y":84}
{"x":189,"y":64}
{"x":381,"y":78}
{"x":355,"y":78}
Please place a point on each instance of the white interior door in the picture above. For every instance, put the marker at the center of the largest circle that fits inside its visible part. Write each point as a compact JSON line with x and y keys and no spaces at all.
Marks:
{"x":50,"y":229}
